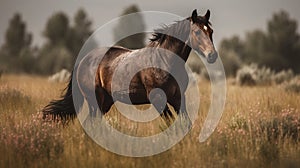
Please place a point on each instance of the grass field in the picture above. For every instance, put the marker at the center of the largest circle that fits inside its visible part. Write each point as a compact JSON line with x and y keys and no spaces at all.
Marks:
{"x":260,"y":127}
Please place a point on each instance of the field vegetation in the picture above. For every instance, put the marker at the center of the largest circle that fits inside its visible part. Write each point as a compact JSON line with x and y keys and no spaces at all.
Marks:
{"x":260,"y":127}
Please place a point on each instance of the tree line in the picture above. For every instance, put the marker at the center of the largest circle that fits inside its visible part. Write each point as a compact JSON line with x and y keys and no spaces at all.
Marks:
{"x":63,"y":42}
{"x":64,"y":39}
{"x":277,"y":48}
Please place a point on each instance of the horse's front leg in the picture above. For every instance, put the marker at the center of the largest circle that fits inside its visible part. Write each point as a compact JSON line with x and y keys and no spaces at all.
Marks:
{"x":183,"y":113}
{"x":179,"y":105}
{"x":167,"y":115}
{"x":158,"y":99}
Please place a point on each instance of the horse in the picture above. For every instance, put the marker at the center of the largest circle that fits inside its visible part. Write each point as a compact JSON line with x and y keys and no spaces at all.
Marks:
{"x":164,"y":48}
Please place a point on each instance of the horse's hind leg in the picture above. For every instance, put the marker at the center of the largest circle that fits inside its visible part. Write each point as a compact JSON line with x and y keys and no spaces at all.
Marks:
{"x":104,"y":100}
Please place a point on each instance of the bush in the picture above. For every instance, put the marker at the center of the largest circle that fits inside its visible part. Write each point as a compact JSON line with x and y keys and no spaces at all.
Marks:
{"x":246,"y":76}
{"x":11,"y":99}
{"x":285,"y":126}
{"x":293,"y":85}
{"x":231,"y":62}
{"x":23,"y":134}
{"x":253,"y":75}
{"x":33,"y":139}
{"x":54,"y":59}
{"x":283,"y":76}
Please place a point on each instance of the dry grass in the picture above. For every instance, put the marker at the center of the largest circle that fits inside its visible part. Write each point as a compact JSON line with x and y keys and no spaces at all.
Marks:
{"x":260,"y":127}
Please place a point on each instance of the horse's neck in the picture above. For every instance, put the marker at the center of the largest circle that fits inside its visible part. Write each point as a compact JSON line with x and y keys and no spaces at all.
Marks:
{"x":175,"y":39}
{"x":179,"y":48}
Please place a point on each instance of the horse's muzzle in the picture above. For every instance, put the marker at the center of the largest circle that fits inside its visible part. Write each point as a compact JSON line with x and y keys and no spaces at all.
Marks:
{"x":212,"y":57}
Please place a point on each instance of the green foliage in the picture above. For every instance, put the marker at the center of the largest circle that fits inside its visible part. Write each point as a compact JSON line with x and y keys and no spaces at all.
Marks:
{"x":293,"y":85}
{"x":278,"y":48}
{"x":30,"y":137}
{"x":16,"y":37}
{"x":254,"y":75}
{"x":53,"y":59}
{"x":251,"y":134}
{"x":14,"y":99}
{"x":27,"y":61}
{"x":255,"y":48}
{"x":283,"y":42}
{"x":16,"y":55}
{"x":64,"y":42}
{"x":246,"y":76}
{"x":283,"y":76}
{"x":125,"y":26}
{"x":57,"y":28}
{"x":79,"y":33}
{"x":230,"y":53}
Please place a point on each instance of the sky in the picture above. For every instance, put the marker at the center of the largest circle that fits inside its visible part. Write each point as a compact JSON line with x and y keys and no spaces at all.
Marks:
{"x":229,"y":17}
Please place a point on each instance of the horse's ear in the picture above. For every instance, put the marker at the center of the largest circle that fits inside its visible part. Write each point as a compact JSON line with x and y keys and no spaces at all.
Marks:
{"x":207,"y":15}
{"x":194,"y":16}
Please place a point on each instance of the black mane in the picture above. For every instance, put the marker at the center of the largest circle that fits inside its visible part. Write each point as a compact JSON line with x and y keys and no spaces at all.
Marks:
{"x":174,"y":30}
{"x":179,"y":28}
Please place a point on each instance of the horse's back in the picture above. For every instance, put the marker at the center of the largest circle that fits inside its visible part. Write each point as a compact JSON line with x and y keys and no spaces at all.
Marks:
{"x":91,"y":65}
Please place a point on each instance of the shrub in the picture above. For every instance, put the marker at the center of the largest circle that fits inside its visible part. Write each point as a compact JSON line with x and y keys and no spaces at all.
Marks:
{"x":246,"y":76}
{"x":253,"y":75}
{"x":33,"y":139}
{"x":285,"y":126}
{"x":11,"y":99}
{"x":293,"y":85}
{"x":283,"y":76}
{"x":52,"y":60}
{"x":264,"y":75}
{"x":231,"y":62}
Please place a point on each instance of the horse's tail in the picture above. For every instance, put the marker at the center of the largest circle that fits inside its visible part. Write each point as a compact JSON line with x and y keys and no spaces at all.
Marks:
{"x":64,"y":108}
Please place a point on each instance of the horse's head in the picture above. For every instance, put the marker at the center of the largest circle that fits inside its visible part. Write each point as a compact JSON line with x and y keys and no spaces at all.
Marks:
{"x":201,"y":36}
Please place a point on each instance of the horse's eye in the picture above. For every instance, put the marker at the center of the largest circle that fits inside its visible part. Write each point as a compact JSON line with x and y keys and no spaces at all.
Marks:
{"x":205,"y":28}
{"x":197,"y":32}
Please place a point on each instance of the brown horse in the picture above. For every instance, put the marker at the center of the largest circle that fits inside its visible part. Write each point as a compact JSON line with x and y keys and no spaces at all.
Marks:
{"x":164,"y":80}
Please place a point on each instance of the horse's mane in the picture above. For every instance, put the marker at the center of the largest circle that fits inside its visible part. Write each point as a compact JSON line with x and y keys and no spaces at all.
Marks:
{"x":176,"y":30}
{"x":179,"y":28}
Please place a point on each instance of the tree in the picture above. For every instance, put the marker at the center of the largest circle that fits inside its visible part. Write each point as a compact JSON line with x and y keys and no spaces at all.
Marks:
{"x":57,"y":28}
{"x":16,"y":54}
{"x":278,"y":48}
{"x":135,"y":22}
{"x":283,"y":42}
{"x":255,"y":47}
{"x":231,"y":52}
{"x":64,"y":41}
{"x":53,"y":59}
{"x":79,"y":33}
{"x":235,"y":44}
{"x":55,"y":55}
{"x":16,"y":37}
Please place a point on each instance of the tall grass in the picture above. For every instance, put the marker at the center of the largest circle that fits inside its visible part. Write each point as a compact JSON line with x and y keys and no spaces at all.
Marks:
{"x":259,"y":128}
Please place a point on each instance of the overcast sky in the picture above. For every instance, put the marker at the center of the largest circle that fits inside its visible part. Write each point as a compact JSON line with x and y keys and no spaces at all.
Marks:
{"x":229,"y":17}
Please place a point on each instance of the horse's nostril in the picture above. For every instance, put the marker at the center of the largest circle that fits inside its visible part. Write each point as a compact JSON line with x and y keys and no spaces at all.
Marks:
{"x":213,"y":55}
{"x":211,"y":58}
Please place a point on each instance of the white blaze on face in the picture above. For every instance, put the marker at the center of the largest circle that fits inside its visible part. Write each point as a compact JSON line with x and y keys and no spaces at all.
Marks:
{"x":205,"y":28}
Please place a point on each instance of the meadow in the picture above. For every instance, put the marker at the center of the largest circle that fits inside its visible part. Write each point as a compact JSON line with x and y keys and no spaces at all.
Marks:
{"x":260,"y":127}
